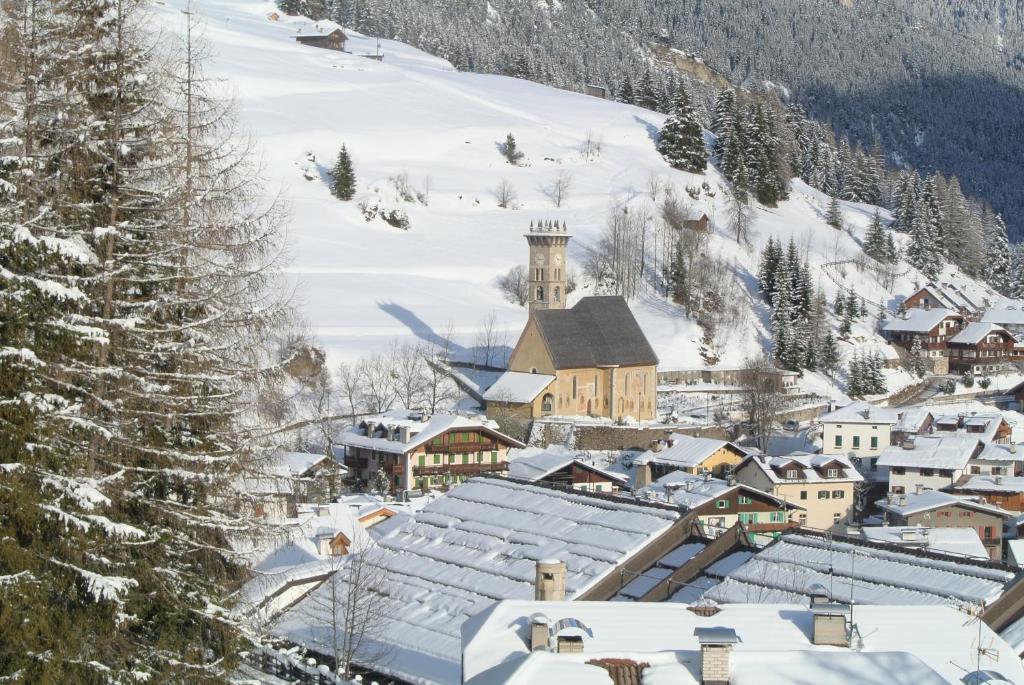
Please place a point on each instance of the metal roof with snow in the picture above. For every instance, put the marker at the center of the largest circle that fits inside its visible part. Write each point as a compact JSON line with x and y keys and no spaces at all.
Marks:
{"x":933,"y":452}
{"x":928,"y":500}
{"x":517,"y":387}
{"x":477,"y":544}
{"x":686,"y":451}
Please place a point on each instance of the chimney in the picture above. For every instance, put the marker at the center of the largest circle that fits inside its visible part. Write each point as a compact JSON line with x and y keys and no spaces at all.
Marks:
{"x":643,"y":476}
{"x":655,"y":445}
{"x":903,"y":500}
{"x":715,"y":648}
{"x":370,"y":427}
{"x":403,"y":433}
{"x":569,"y":644}
{"x":830,"y":624}
{"x":999,"y":480}
{"x":919,"y":488}
{"x":908,"y":443}
{"x":550,"y":584}
{"x":539,"y":633}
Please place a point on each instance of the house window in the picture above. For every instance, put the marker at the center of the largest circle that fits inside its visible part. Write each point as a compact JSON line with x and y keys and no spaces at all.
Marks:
{"x":574,"y":387}
{"x":838,"y":494}
{"x":874,"y":442}
{"x":856,"y":442}
{"x":547,"y":405}
{"x":494,"y":457}
{"x":839,"y":441}
{"x":722,"y":504}
{"x":965,"y":514}
{"x":597,"y":487}
{"x":743,"y":499}
{"x":927,"y":472}
{"x":558,"y":294}
{"x":988,"y":533}
{"x":792,"y":474}
{"x":777,"y":516}
{"x":945,"y":473}
{"x":423,"y":460}
{"x":898,"y":490}
{"x":822,"y":494}
{"x":832,"y":473}
{"x":465,"y":458}
{"x":748,"y":518}
{"x":898,"y":470}
{"x":540,"y":293}
{"x":837,"y":517}
{"x":437,"y":459}
{"x":803,"y":519}
{"x":803,"y":494}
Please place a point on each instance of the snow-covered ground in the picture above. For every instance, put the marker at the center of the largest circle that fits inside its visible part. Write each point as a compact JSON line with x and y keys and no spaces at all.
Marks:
{"x":362,"y":285}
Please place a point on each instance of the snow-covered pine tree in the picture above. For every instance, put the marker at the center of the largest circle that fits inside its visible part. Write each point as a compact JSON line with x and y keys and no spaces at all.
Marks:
{"x":855,"y":376}
{"x":840,"y":305}
{"x":998,"y":249}
{"x":876,"y":243}
{"x":646,"y":92}
{"x":510,"y":149}
{"x":921,"y":252}
{"x":915,"y":360}
{"x":682,"y":140}
{"x":723,"y":118}
{"x":734,"y":162}
{"x":852,"y":305}
{"x":834,"y":215}
{"x":769,"y":265}
{"x":626,"y":94}
{"x":783,"y":335}
{"x":876,"y":379}
{"x":343,"y":176}
{"x":768,"y":182}
{"x":904,"y":200}
{"x":151,"y":281}
{"x":829,"y":354}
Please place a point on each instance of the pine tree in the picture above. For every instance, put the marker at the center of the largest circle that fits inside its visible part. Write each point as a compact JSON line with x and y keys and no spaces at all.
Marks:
{"x":646,"y":93}
{"x":626,"y":94}
{"x":998,"y":249}
{"x":145,"y":296}
{"x":682,"y":140}
{"x":876,"y":240}
{"x":829,"y":354}
{"x":511,"y":150}
{"x":723,"y":118}
{"x":766,"y":275}
{"x":921,"y":252}
{"x":834,"y":216}
{"x":852,"y":305}
{"x":343,"y":176}
{"x":915,"y":361}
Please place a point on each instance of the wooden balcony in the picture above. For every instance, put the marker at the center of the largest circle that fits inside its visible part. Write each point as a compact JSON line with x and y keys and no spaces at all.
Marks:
{"x":459,"y":469}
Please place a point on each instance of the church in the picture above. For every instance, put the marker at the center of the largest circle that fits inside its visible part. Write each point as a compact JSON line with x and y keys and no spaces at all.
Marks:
{"x":588,"y":360}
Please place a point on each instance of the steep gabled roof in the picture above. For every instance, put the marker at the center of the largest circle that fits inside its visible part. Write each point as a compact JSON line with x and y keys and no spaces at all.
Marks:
{"x":920,"y":320}
{"x":598,"y":331}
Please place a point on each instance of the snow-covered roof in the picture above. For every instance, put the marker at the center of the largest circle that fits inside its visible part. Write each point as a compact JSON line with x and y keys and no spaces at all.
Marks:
{"x":927,"y":500}
{"x":956,"y":541}
{"x":982,"y":426}
{"x":421,"y":429}
{"x":686,"y":451}
{"x":935,"y":451}
{"x":517,"y":386}
{"x":912,"y":419}
{"x":691,"y":491}
{"x":770,"y":645}
{"x":1007,"y":312}
{"x":299,"y":463}
{"x":990,"y":483}
{"x":477,"y":544}
{"x":975,"y":332}
{"x":861,"y":412}
{"x":919,"y":320}
{"x":787,"y":569}
{"x":954,"y":295}
{"x":534,"y":463}
{"x":810,"y":467}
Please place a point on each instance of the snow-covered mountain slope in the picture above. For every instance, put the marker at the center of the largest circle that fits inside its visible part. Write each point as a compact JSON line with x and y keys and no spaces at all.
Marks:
{"x":362,"y":285}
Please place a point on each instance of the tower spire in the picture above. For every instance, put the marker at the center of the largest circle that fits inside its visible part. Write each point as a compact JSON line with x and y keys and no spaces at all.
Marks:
{"x":548,"y":241}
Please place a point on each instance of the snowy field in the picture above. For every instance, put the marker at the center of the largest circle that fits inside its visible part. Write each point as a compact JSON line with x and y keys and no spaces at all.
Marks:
{"x":360,"y":286}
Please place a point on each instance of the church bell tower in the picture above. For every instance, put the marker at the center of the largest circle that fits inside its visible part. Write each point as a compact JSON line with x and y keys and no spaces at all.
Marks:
{"x":548,"y":241}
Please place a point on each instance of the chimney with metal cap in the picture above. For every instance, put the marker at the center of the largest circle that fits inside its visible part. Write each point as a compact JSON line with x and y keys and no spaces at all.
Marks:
{"x":715,"y":649}
{"x":539,"y":633}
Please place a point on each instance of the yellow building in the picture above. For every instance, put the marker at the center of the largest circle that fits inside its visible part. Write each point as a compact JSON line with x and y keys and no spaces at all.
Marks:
{"x":590,"y":360}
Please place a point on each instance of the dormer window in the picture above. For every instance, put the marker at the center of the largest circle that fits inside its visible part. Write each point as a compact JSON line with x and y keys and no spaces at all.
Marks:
{"x":792,"y":474}
{"x":832,"y":473}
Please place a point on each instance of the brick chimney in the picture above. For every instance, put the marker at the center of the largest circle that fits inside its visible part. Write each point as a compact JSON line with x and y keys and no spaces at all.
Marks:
{"x":643,"y":476}
{"x":715,"y":650}
{"x":550,"y":584}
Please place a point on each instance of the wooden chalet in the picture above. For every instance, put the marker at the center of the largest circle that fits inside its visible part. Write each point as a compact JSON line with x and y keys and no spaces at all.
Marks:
{"x":335,"y":40}
{"x":981,"y":348}
{"x":699,"y":223}
{"x":945,"y":296}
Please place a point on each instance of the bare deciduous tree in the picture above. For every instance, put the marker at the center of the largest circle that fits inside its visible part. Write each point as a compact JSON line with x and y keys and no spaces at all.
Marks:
{"x":440,"y":389}
{"x":349,"y":384}
{"x":617,"y":263}
{"x":741,"y":218}
{"x":590,"y":148}
{"x":505,"y":194}
{"x":377,"y":378}
{"x":761,"y":396}
{"x":515,"y":285}
{"x":409,"y":371}
{"x":489,"y":341}
{"x":558,"y":189}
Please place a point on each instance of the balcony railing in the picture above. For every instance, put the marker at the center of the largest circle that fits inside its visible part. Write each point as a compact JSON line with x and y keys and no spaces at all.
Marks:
{"x":459,"y":469}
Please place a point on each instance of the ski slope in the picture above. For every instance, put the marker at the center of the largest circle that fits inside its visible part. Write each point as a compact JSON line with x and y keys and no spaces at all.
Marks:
{"x":362,"y":285}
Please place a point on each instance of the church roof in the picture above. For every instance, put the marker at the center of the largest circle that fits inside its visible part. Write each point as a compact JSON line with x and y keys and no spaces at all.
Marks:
{"x":597,"y":331}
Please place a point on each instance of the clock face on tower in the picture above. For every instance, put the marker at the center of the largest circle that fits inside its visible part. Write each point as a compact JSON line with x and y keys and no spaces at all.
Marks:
{"x":557,"y":260}
{"x":539,"y":260}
